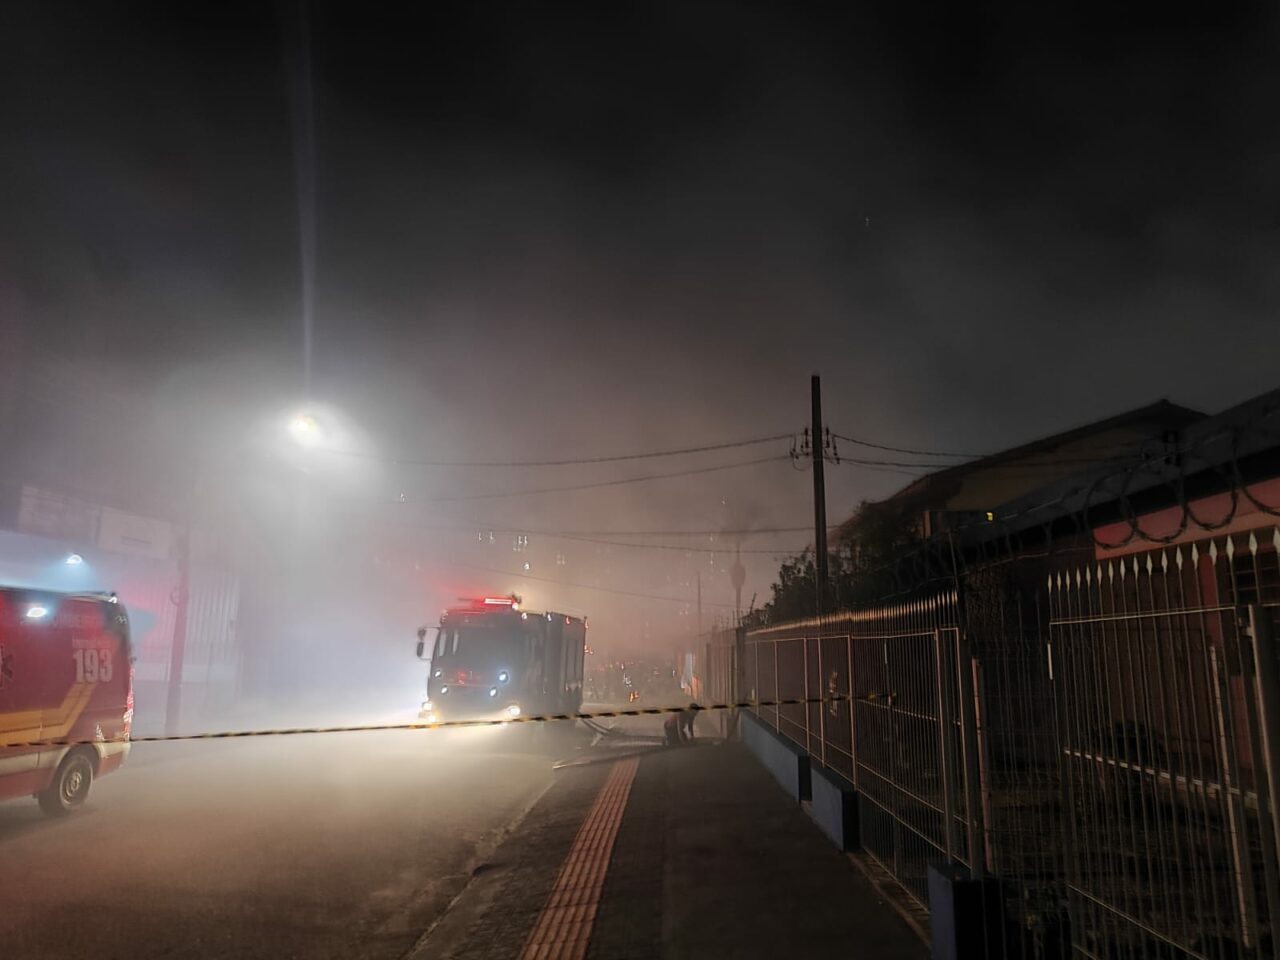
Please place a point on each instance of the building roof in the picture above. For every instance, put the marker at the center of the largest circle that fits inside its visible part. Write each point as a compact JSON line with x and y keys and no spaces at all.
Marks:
{"x":1245,"y":432}
{"x":936,"y":490}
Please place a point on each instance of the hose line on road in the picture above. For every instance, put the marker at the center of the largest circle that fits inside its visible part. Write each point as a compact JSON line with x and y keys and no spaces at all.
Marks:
{"x":590,"y":724}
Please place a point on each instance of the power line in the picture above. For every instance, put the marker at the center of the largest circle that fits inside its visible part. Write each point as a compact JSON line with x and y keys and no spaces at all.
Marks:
{"x":918,"y":470}
{"x":605,"y":483}
{"x":604,"y":538}
{"x":974,"y":456}
{"x":680,"y":548}
{"x":484,"y":527}
{"x":676,"y":547}
{"x":580,"y":461}
{"x":921,"y":453}
{"x":83,"y":402}
{"x":586,"y":586}
{"x":803,"y":464}
{"x":1004,"y":464}
{"x":744,"y":532}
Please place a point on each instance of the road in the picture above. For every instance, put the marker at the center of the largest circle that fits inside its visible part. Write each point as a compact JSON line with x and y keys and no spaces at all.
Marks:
{"x":335,"y":845}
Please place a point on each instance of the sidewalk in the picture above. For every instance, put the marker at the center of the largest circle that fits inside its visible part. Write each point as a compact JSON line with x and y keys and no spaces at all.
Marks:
{"x":691,"y":852}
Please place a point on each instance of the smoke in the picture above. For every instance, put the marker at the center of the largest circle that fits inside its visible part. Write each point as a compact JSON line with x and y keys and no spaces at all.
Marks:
{"x":538,"y":240}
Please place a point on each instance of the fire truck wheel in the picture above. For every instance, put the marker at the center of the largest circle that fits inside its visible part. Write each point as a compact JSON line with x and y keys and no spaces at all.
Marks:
{"x":70,"y":787}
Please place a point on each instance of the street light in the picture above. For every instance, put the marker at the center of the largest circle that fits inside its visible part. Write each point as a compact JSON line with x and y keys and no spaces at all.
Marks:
{"x":305,"y":431}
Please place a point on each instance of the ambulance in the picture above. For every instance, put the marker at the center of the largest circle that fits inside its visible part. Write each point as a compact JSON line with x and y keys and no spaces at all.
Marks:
{"x":66,"y":694}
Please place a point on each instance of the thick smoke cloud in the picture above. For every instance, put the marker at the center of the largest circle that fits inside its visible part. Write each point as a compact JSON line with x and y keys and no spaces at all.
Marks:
{"x":540,"y":235}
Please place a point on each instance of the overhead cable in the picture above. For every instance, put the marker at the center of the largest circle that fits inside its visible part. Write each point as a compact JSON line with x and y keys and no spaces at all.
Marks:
{"x":449,"y":498}
{"x":921,"y":453}
{"x":568,"y":462}
{"x":972,"y":456}
{"x":586,"y":586}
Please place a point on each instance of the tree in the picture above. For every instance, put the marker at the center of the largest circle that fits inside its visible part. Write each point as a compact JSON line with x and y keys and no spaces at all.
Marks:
{"x":860,"y":569}
{"x":793,"y":593}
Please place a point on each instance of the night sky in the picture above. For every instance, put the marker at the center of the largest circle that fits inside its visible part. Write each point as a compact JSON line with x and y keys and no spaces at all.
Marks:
{"x":544,"y":233}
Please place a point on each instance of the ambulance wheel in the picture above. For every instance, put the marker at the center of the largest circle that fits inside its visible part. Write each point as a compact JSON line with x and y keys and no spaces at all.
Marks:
{"x":70,"y":787}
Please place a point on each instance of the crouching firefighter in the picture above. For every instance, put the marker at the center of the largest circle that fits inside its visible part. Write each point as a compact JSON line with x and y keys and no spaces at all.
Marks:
{"x":678,"y":727}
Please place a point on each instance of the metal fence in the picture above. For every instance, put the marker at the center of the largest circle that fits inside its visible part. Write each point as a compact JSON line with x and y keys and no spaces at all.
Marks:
{"x":1019,"y":766}
{"x":898,"y":723}
{"x":1165,"y":680}
{"x":1098,"y":730}
{"x":719,"y":664}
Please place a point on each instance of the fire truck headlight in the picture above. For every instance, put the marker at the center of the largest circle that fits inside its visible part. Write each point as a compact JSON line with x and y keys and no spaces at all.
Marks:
{"x":513,"y":710}
{"x":503,"y":676}
{"x":493,"y":691}
{"x":438,"y":674}
{"x":444,"y":689}
{"x":37,"y":611}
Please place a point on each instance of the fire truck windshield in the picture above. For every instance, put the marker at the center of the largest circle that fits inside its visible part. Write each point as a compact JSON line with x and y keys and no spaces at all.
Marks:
{"x":479,"y":647}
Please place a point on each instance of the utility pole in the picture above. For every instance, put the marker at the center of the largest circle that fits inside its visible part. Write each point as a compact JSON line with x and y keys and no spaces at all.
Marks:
{"x":738,"y":573}
{"x":699,"y":578}
{"x":817,"y":450}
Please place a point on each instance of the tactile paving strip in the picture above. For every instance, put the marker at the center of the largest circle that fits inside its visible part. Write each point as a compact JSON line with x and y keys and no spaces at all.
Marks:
{"x":563,"y":928}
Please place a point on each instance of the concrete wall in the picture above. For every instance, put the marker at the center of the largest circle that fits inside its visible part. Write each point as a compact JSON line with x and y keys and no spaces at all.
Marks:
{"x":782,"y":758}
{"x":834,"y":808}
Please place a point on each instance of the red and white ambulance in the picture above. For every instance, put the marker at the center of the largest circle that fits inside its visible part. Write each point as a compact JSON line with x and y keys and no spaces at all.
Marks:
{"x":66,"y":694}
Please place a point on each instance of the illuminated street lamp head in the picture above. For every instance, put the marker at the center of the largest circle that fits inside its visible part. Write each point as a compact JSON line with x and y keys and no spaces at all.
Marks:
{"x":304,"y":430}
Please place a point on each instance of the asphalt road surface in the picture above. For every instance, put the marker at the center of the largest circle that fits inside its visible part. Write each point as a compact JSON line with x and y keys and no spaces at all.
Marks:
{"x":335,"y":845}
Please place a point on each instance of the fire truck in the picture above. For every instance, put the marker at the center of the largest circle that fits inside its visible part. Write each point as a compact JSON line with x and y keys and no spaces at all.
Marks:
{"x":493,"y":660}
{"x":66,"y":694}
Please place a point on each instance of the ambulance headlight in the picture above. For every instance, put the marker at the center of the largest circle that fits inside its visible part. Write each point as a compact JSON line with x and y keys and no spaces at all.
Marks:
{"x":513,"y":710}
